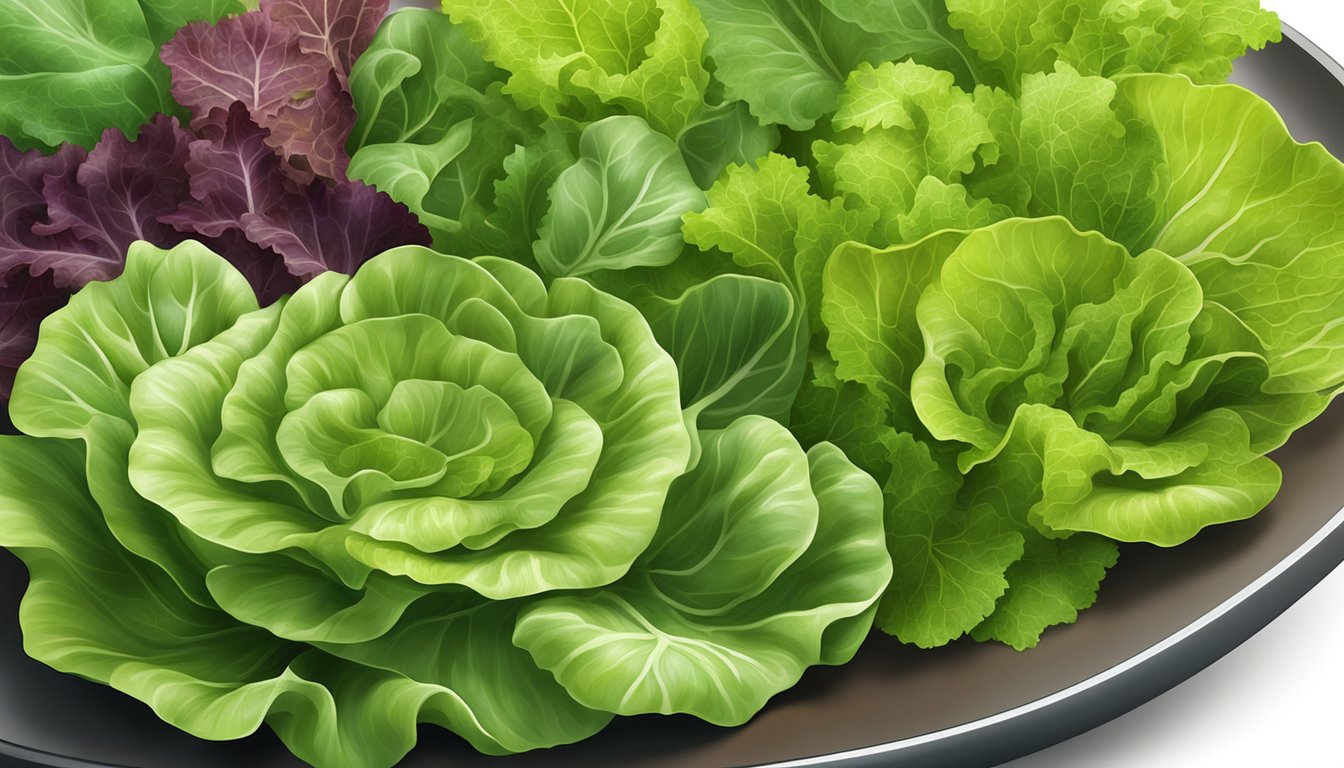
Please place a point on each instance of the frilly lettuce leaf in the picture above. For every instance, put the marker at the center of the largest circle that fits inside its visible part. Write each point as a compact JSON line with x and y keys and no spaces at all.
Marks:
{"x":116,"y":197}
{"x":1198,"y":38}
{"x":249,"y":58}
{"x":340,"y":30}
{"x":25,"y":301}
{"x":899,"y":124}
{"x":957,"y":159}
{"x":232,"y":176}
{"x":639,"y":58}
{"x":23,"y":179}
{"x":1082,"y":391}
{"x":950,"y":559}
{"x":767,"y":219}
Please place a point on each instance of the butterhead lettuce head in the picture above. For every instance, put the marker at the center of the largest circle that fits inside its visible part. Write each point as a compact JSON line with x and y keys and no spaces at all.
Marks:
{"x":437,"y":491}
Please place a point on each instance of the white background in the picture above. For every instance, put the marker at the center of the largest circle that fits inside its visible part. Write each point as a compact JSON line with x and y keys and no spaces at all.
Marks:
{"x":1278,"y":700}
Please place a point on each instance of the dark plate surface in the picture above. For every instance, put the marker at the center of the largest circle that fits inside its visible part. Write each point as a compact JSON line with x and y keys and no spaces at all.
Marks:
{"x":1162,"y":616}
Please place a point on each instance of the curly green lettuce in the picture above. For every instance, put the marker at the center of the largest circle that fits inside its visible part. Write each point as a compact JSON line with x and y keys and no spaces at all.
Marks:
{"x":439,"y":491}
{"x":1068,"y":394}
{"x":789,"y":60}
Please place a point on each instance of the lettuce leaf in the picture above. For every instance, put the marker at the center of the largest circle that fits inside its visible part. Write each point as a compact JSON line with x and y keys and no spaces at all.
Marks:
{"x":1197,"y":38}
{"x":788,"y":60}
{"x":620,"y":205}
{"x":72,"y":70}
{"x":436,"y":132}
{"x":639,"y":57}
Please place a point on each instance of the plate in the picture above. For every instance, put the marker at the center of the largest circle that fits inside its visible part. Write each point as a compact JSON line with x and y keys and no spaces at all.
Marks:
{"x":1162,"y":616}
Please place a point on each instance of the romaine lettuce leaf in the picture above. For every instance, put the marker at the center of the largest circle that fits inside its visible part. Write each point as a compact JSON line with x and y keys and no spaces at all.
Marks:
{"x":1197,"y":38}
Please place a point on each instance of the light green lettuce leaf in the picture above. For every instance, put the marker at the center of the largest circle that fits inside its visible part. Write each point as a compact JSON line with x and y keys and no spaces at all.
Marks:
{"x":767,"y":219}
{"x":531,"y":711}
{"x":620,"y":205}
{"x":898,"y":124}
{"x":868,"y":309}
{"x":95,"y":610}
{"x":1084,"y":391}
{"x":1054,"y":580}
{"x":938,"y":206}
{"x":1067,"y":146}
{"x":1198,"y":38}
{"x":639,"y":58}
{"x":77,"y":384}
{"x":950,"y":561}
{"x":1254,"y":215}
{"x":434,"y":129}
{"x":768,"y":560}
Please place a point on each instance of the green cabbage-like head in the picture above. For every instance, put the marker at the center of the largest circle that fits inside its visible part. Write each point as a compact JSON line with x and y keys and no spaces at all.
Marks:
{"x":427,"y":419}
{"x":437,"y":491}
{"x":1097,"y":391}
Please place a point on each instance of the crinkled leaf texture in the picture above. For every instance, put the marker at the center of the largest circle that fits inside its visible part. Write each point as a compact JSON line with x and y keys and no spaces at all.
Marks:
{"x":789,"y":60}
{"x":339,"y":29}
{"x":357,"y":510}
{"x":72,"y":69}
{"x":634,"y":57}
{"x":1198,"y":38}
{"x":436,"y":133}
{"x":1082,"y":392}
{"x":25,"y":301}
{"x":956,"y":159}
{"x":288,"y":62}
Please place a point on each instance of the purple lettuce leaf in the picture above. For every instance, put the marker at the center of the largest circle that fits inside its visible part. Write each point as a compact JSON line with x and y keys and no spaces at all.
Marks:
{"x":312,"y":133}
{"x":248,"y":58}
{"x":339,"y":229}
{"x":233,"y":174}
{"x":262,"y":267}
{"x":340,"y":30}
{"x":115,"y":197}
{"x":23,"y":175}
{"x":25,"y":301}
